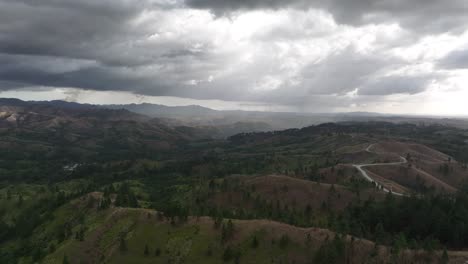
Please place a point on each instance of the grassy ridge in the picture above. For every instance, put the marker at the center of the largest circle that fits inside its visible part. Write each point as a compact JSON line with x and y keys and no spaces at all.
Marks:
{"x":149,"y":237}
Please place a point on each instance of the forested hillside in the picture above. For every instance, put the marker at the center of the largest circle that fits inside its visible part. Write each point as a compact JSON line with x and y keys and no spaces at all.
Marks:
{"x":92,"y":185}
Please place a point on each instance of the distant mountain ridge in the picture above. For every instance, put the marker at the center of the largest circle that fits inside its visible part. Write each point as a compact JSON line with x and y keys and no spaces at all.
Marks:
{"x":224,"y":123}
{"x":259,"y":121}
{"x":211,"y":123}
{"x":87,"y":131}
{"x":158,"y":110}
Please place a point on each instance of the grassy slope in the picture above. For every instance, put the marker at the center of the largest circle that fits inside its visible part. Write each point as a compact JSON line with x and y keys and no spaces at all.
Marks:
{"x":198,"y":241}
{"x":292,"y":192}
{"x":194,"y":241}
{"x":423,"y":169}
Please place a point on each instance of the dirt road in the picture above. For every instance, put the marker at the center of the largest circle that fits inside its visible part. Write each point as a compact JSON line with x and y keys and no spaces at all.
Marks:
{"x":360,"y":167}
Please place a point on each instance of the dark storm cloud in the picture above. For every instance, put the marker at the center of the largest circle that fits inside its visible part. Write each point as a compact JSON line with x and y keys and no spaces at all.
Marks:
{"x":421,"y":15}
{"x":91,"y":45}
{"x":457,"y":59}
{"x":396,"y":85}
{"x":98,"y":77}
{"x":85,"y":29}
{"x":148,"y":47}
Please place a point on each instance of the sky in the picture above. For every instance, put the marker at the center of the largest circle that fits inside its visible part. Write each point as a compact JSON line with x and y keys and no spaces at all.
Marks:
{"x":391,"y":56}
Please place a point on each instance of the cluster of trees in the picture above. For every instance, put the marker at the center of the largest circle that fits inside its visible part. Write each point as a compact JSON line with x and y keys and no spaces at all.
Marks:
{"x":32,"y":214}
{"x":445,"y":169}
{"x":231,"y":253}
{"x":424,"y":222}
{"x":258,"y":206}
{"x":413,"y":222}
{"x":227,"y":231}
{"x":331,"y":251}
{"x":125,"y":197}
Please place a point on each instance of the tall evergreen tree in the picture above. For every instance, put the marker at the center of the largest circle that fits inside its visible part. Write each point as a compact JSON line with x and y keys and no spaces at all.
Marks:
{"x":255,"y":242}
{"x":146,"y":252}
{"x":444,"y":258}
{"x":65,"y":260}
{"x":123,"y":244}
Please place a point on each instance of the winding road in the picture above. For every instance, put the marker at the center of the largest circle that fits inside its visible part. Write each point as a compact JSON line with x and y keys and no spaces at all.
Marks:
{"x":359,"y":167}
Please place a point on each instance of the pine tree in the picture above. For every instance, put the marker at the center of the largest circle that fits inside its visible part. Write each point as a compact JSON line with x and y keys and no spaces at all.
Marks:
{"x":375,"y":250}
{"x":123,"y":244}
{"x":255,"y":242}
{"x":284,"y":241}
{"x":65,"y":260}
{"x":230,"y":228}
{"x":308,"y":211}
{"x":227,"y":231}
{"x":399,"y":243}
{"x":146,"y":252}
{"x":81,"y":234}
{"x":217,"y":222}
{"x":20,"y":200}
{"x":237,"y":256}
{"x":308,"y":239}
{"x":228,"y":254}
{"x":445,"y":258}
{"x":380,"y":234}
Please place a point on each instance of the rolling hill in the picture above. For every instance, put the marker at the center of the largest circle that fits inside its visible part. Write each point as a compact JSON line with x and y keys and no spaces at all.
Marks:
{"x":86,"y":184}
{"x":123,"y":235}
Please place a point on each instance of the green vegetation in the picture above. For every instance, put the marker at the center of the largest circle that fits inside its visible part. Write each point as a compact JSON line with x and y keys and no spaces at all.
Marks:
{"x":104,"y":190}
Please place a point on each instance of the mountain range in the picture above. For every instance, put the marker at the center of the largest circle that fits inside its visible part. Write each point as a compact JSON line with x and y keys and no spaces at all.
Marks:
{"x":226,"y":123}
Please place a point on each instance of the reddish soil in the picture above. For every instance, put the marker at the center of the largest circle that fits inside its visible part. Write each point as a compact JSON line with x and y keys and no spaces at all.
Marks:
{"x":293,"y":192}
{"x":456,"y":175}
{"x":427,"y":169}
{"x":410,"y":177}
{"x":337,"y":174}
{"x":417,"y":151}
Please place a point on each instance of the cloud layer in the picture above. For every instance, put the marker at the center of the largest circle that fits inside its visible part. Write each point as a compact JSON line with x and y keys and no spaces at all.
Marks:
{"x":426,"y":15}
{"x":332,"y":54}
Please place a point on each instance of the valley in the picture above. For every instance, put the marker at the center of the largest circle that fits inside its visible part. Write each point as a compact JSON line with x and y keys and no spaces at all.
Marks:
{"x":233,"y":132}
{"x":93,"y":185}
